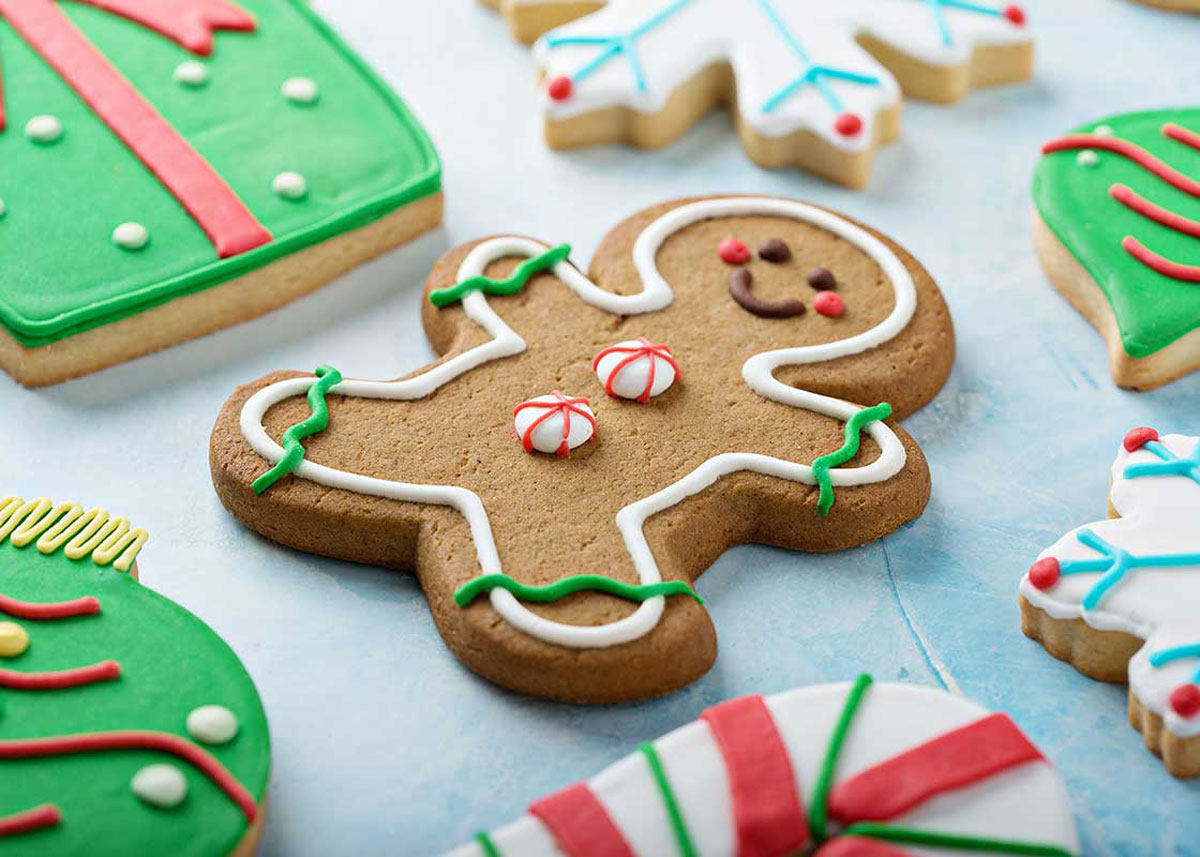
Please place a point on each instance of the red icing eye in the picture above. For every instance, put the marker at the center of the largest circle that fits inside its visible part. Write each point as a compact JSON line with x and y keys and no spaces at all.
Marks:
{"x":830,"y":304}
{"x":1015,"y":14}
{"x":1044,"y":573}
{"x":848,"y":124}
{"x":733,"y":252}
{"x":559,"y":88}
{"x":1185,"y":700}
{"x":1139,"y":437}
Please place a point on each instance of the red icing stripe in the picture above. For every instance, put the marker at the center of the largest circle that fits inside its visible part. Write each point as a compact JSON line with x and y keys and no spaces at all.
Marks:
{"x":1132,"y":200}
{"x":33,"y":748}
{"x":768,"y":816}
{"x":189,"y":22}
{"x":230,"y":226}
{"x":1128,"y":150}
{"x":47,"y":815}
{"x":1183,"y":135}
{"x":859,"y":846}
{"x":60,"y":610}
{"x":580,"y":824}
{"x":951,"y":761}
{"x":103,"y":671}
{"x":1164,"y":266}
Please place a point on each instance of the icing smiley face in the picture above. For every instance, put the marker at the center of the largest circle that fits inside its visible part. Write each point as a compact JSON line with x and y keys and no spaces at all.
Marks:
{"x":595,"y":561}
{"x":1137,"y":576}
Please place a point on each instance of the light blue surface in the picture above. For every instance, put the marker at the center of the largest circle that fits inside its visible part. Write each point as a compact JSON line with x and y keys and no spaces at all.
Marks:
{"x":384,"y":744}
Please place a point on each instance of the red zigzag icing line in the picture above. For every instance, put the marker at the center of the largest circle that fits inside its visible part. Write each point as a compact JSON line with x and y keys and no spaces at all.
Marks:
{"x":1132,"y":151}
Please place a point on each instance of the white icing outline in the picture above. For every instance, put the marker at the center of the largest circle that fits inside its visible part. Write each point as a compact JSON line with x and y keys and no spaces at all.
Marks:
{"x":656,"y":294}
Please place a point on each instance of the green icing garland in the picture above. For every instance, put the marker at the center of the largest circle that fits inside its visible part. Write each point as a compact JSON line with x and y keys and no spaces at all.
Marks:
{"x":318,"y":421}
{"x":822,"y":465}
{"x":472,"y":589}
{"x":510,"y":285}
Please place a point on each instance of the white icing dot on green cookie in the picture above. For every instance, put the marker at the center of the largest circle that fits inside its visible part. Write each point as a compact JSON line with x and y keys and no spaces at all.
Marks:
{"x":131,"y":236}
{"x":44,"y":129}
{"x":212,"y":724}
{"x":3,"y":209}
{"x":160,"y":785}
{"x":1104,"y":131}
{"x":191,"y":73}
{"x":1087,"y":158}
{"x":290,"y":185}
{"x":300,"y":90}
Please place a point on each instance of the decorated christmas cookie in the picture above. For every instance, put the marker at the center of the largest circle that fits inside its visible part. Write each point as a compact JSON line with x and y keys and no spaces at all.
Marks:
{"x":1117,"y":598}
{"x":1174,"y":5}
{"x":170,"y":169}
{"x":1118,"y":232}
{"x":810,"y":83}
{"x":658,"y":421}
{"x":126,"y":725}
{"x":530,"y":18}
{"x":845,"y":770}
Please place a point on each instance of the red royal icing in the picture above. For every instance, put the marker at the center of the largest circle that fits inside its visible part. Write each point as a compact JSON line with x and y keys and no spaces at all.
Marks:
{"x":1164,"y":266}
{"x":103,"y":671}
{"x":580,"y":824}
{"x":1185,"y":700}
{"x":560,"y":88}
{"x":1181,"y":134}
{"x":62,"y":610}
{"x":1131,"y":199}
{"x":1015,"y":14}
{"x":647,"y":349}
{"x":566,"y":405}
{"x":98,"y":742}
{"x":733,"y":252}
{"x":768,"y":816}
{"x":1128,"y":150}
{"x":37,"y":818}
{"x":231,"y":227}
{"x":951,"y":761}
{"x":1044,"y":573}
{"x":830,"y":304}
{"x":848,"y":124}
{"x":1139,"y":437}
{"x":858,"y":846}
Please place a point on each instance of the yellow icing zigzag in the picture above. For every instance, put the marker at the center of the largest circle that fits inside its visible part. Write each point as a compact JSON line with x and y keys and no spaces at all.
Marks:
{"x":67,"y":526}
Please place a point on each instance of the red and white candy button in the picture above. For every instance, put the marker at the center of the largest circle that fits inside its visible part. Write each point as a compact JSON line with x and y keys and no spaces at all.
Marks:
{"x":554,"y":423}
{"x":636,"y":369}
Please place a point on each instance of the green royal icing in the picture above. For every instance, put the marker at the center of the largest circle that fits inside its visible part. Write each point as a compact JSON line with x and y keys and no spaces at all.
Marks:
{"x":1151,"y":310}
{"x":472,"y":589}
{"x":359,"y":147}
{"x":825,"y":463}
{"x":510,"y":285}
{"x":171,"y":663}
{"x":293,"y":450}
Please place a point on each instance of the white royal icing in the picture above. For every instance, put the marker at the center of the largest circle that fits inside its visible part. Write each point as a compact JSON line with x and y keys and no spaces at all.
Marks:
{"x":160,"y":785}
{"x":191,"y":73}
{"x":300,"y":90}
{"x":44,"y":129}
{"x":290,"y":185}
{"x":632,"y":378}
{"x":656,"y":294}
{"x":548,"y":436}
{"x":130,"y":236}
{"x":1027,"y":803}
{"x":1159,"y":605}
{"x":750,"y":36}
{"x":212,"y":724}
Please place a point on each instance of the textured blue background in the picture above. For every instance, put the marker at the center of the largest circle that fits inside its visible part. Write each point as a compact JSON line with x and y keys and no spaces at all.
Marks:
{"x":384,"y":744}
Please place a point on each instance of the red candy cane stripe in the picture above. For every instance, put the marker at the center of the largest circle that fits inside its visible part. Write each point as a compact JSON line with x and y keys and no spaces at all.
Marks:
{"x":47,"y":815}
{"x":951,"y":761}
{"x":859,"y":846}
{"x":103,"y":671}
{"x":649,"y":350}
{"x":580,"y":824}
{"x":1128,"y":150}
{"x":768,"y":816}
{"x":231,"y":227}
{"x":35,"y":748}
{"x":566,"y":405}
{"x":60,"y":610}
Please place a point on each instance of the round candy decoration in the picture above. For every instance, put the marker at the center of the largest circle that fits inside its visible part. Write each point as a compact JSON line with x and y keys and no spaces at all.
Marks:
{"x":14,"y":640}
{"x":733,"y":252}
{"x":131,"y":236}
{"x":290,"y":185}
{"x":212,"y":724}
{"x":554,"y":423}
{"x":300,"y":90}
{"x":829,"y":304}
{"x":636,"y":369}
{"x":191,"y":73}
{"x":160,"y":785}
{"x":44,"y":129}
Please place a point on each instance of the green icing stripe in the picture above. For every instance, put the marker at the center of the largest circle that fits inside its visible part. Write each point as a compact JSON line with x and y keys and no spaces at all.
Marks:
{"x":293,"y":452}
{"x":487,"y":845}
{"x":822,"y":465}
{"x":819,"y":814}
{"x":472,"y":589}
{"x":678,"y":826}
{"x":910,"y":836}
{"x":510,"y":285}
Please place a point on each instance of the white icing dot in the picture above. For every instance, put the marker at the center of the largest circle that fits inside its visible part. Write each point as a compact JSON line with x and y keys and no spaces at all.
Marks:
{"x":300,"y":90}
{"x":191,"y":73}
{"x":131,"y":236}
{"x":160,"y":785}
{"x":212,"y":724}
{"x":44,"y":129}
{"x":1087,"y":158}
{"x":1104,"y":131}
{"x":290,"y":185}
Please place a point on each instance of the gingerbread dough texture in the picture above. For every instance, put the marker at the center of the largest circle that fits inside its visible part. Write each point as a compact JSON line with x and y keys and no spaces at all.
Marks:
{"x":674,"y":419}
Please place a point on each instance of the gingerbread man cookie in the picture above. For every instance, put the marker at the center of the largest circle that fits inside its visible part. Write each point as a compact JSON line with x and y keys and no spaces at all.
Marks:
{"x":844,"y":770}
{"x":1117,"y":598}
{"x":588,"y":445}
{"x":126,"y":725}
{"x":809,"y":83}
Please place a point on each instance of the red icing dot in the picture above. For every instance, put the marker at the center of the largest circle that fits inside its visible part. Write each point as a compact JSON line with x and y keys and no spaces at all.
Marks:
{"x":830,"y":304}
{"x":1139,"y":437}
{"x":1044,"y":573}
{"x":1185,"y":700}
{"x":848,"y":124}
{"x":560,"y":88}
{"x":733,"y":252}
{"x":1015,"y":14}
